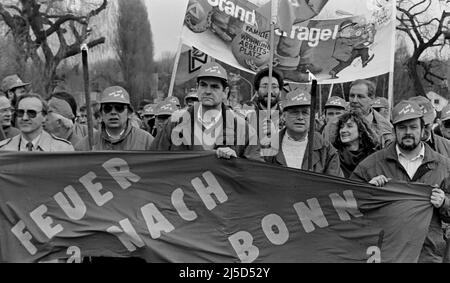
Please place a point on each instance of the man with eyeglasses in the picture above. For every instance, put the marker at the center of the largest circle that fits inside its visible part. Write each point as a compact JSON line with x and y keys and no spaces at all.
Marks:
{"x":6,"y":119}
{"x":444,"y":124}
{"x":31,"y":112}
{"x":293,"y":139}
{"x":362,"y":93}
{"x":116,"y":131}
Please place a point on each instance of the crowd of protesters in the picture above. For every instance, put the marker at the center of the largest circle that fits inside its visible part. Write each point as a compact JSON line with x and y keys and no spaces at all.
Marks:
{"x":363,"y":139}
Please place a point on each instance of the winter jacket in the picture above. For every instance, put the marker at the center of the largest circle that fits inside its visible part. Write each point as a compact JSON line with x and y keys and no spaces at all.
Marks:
{"x":435,"y":169}
{"x":132,"y":139}
{"x":325,"y":158}
{"x":236,"y":133}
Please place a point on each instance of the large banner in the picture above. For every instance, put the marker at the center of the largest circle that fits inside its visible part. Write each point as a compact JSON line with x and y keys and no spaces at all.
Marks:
{"x":193,"y":207}
{"x":337,"y":40}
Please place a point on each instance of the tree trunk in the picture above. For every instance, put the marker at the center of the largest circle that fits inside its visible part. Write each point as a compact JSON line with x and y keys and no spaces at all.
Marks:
{"x":413,"y":74}
{"x":49,"y":76}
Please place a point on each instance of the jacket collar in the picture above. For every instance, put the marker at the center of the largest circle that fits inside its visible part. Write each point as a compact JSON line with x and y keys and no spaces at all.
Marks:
{"x":317,"y":144}
{"x":105,"y":136}
{"x":430,"y":155}
{"x":44,"y":142}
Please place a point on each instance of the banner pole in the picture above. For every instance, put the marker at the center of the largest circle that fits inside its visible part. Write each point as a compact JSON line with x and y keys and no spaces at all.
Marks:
{"x":175,"y":69}
{"x":331,"y":91}
{"x":84,"y":57}
{"x":273,"y":21}
{"x":312,"y":120}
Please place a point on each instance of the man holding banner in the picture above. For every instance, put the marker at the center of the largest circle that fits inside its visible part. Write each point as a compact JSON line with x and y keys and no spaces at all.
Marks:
{"x":294,"y":139}
{"x":209,"y":125}
{"x":413,"y":161}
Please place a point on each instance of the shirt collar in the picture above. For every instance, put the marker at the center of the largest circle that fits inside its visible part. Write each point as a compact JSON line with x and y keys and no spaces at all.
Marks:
{"x":420,"y":155}
{"x":208,"y":124}
{"x":34,"y":141}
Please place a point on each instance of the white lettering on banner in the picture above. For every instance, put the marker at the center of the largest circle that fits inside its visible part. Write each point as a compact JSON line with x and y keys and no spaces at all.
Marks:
{"x":180,"y":206}
{"x":127,"y":235}
{"x":268,"y":223}
{"x":94,"y":189}
{"x":312,"y":35}
{"x":343,"y":206}
{"x":75,"y":212}
{"x":375,"y":254}
{"x":45,"y":223}
{"x":75,"y":254}
{"x":213,"y":188}
{"x":156,"y":222}
{"x":308,"y":215}
{"x":123,"y":174}
{"x":242,"y":243}
{"x":24,"y":237}
{"x":234,"y":10}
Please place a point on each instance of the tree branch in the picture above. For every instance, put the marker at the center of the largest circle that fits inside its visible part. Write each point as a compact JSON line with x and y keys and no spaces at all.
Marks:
{"x":74,"y":49}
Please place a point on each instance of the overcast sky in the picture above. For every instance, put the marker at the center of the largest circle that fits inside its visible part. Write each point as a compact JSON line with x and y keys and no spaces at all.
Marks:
{"x":166,"y":19}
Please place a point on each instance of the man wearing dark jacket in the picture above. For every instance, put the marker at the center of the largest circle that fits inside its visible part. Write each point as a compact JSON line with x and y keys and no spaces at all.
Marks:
{"x":209,"y":124}
{"x":116,"y":132}
{"x":293,"y":141}
{"x":408,"y":159}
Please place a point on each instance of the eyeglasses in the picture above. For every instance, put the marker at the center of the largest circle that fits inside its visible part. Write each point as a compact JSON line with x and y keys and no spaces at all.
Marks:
{"x":446,"y":123}
{"x":107,"y":108}
{"x":30,"y":113}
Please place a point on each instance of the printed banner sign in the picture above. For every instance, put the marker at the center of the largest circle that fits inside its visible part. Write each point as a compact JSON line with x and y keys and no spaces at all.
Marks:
{"x":193,"y":207}
{"x":191,"y":60}
{"x":338,"y":41}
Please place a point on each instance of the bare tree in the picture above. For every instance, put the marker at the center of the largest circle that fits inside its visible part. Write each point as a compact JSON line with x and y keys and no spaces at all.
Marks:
{"x":425,"y":32}
{"x":34,"y":24}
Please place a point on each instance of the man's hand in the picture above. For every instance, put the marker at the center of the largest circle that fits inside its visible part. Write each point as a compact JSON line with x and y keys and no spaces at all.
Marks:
{"x":225,"y":152}
{"x":437,"y":197}
{"x":379,"y":181}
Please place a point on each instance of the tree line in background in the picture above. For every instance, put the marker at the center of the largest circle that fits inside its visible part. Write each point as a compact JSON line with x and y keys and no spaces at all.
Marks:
{"x":41,"y":35}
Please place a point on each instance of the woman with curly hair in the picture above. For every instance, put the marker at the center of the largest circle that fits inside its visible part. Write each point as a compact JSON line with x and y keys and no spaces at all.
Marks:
{"x":354,"y":141}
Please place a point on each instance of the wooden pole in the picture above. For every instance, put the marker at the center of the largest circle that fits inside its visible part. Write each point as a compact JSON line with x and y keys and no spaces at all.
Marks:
{"x":312,"y":121}
{"x":174,"y":70}
{"x":87,"y":94}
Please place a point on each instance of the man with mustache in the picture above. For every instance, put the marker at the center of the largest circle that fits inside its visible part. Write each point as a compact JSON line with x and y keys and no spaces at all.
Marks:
{"x":293,"y":139}
{"x":409,"y":159}
{"x":362,"y":92}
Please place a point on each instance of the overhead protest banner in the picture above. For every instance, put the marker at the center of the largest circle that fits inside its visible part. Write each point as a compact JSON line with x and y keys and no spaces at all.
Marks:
{"x":172,"y":207}
{"x":338,"y":41}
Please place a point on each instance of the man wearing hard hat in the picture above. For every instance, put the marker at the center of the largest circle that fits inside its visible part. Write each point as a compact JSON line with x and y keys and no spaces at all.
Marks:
{"x":14,"y":87}
{"x":209,"y":124}
{"x":411,"y":160}
{"x":117,"y":132}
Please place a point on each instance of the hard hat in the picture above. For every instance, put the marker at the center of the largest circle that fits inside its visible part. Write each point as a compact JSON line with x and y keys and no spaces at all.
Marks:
{"x":115,"y":94}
